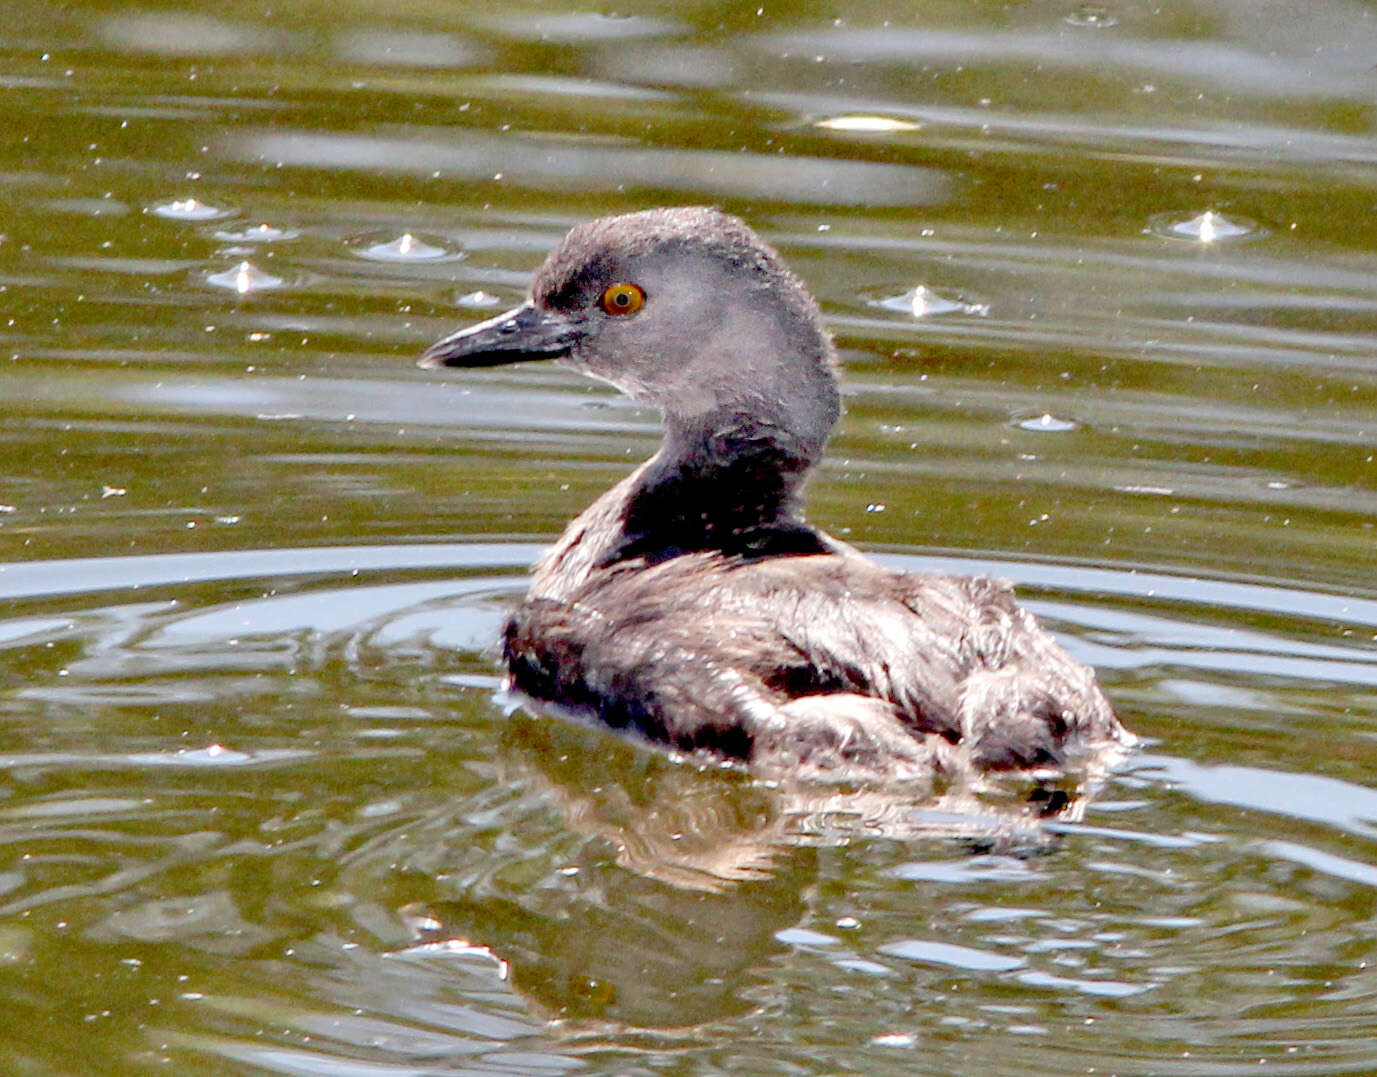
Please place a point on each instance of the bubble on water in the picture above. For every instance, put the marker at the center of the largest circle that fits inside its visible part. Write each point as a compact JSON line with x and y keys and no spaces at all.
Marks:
{"x":190,"y":209}
{"x":406,"y":247}
{"x":923,"y":302}
{"x":257,"y":233}
{"x":867,"y":125}
{"x":1207,"y":227}
{"x":1047,"y":423}
{"x":1096,"y":16}
{"x":245,"y":278}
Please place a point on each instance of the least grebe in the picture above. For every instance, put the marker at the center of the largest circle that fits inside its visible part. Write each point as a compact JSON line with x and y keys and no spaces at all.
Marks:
{"x":692,"y":604}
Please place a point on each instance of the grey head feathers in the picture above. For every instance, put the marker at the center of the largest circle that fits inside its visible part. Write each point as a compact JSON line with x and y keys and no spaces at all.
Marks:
{"x":727,"y":336}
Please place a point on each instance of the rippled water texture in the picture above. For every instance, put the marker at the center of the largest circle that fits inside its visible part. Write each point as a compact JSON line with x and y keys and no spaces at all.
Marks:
{"x":1104,"y":284}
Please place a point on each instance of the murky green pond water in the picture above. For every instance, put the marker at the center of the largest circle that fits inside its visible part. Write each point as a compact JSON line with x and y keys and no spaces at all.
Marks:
{"x":260,"y":810}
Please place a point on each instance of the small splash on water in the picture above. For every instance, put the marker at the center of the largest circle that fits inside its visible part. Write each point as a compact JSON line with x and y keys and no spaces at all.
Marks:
{"x":867,"y":125}
{"x":1207,"y":227}
{"x":1096,"y":16}
{"x":923,"y":302}
{"x":245,"y":278}
{"x":213,"y":755}
{"x":190,"y":209}
{"x":258,"y":233}
{"x":406,"y":247}
{"x":479,"y":300}
{"x":1047,"y":423}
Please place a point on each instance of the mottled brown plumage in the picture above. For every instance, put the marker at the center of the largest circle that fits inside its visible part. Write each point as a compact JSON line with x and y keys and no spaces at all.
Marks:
{"x":693,"y":605}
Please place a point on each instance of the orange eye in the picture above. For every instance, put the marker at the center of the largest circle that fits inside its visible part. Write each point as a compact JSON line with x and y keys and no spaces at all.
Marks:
{"x":622,"y":298}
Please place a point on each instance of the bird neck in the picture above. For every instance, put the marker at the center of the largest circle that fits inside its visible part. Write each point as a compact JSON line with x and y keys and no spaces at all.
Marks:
{"x":725,"y":487}
{"x":725,"y":482}
{"x":728,"y":475}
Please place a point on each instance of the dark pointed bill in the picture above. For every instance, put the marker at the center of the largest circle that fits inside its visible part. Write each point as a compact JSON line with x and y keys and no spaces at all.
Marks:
{"x":519,"y":335}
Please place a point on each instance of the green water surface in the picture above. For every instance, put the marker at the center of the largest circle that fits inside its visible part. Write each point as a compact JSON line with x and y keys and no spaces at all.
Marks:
{"x":262,"y":807}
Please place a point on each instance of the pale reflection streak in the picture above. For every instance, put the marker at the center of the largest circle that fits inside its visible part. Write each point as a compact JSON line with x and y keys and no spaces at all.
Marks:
{"x":1231,"y":65}
{"x":537,"y":161}
{"x":1265,"y":146}
{"x":97,"y":574}
{"x":1312,"y":798}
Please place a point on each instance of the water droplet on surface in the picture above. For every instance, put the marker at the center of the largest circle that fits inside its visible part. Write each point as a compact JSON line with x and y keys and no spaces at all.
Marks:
{"x":190,"y":209}
{"x":406,"y":247}
{"x":245,"y":278}
{"x":479,"y":300}
{"x":213,"y":755}
{"x":867,"y":125}
{"x":923,"y":302}
{"x":1207,"y":227}
{"x":1047,"y":423}
{"x":1096,"y":16}
{"x":258,"y":233}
